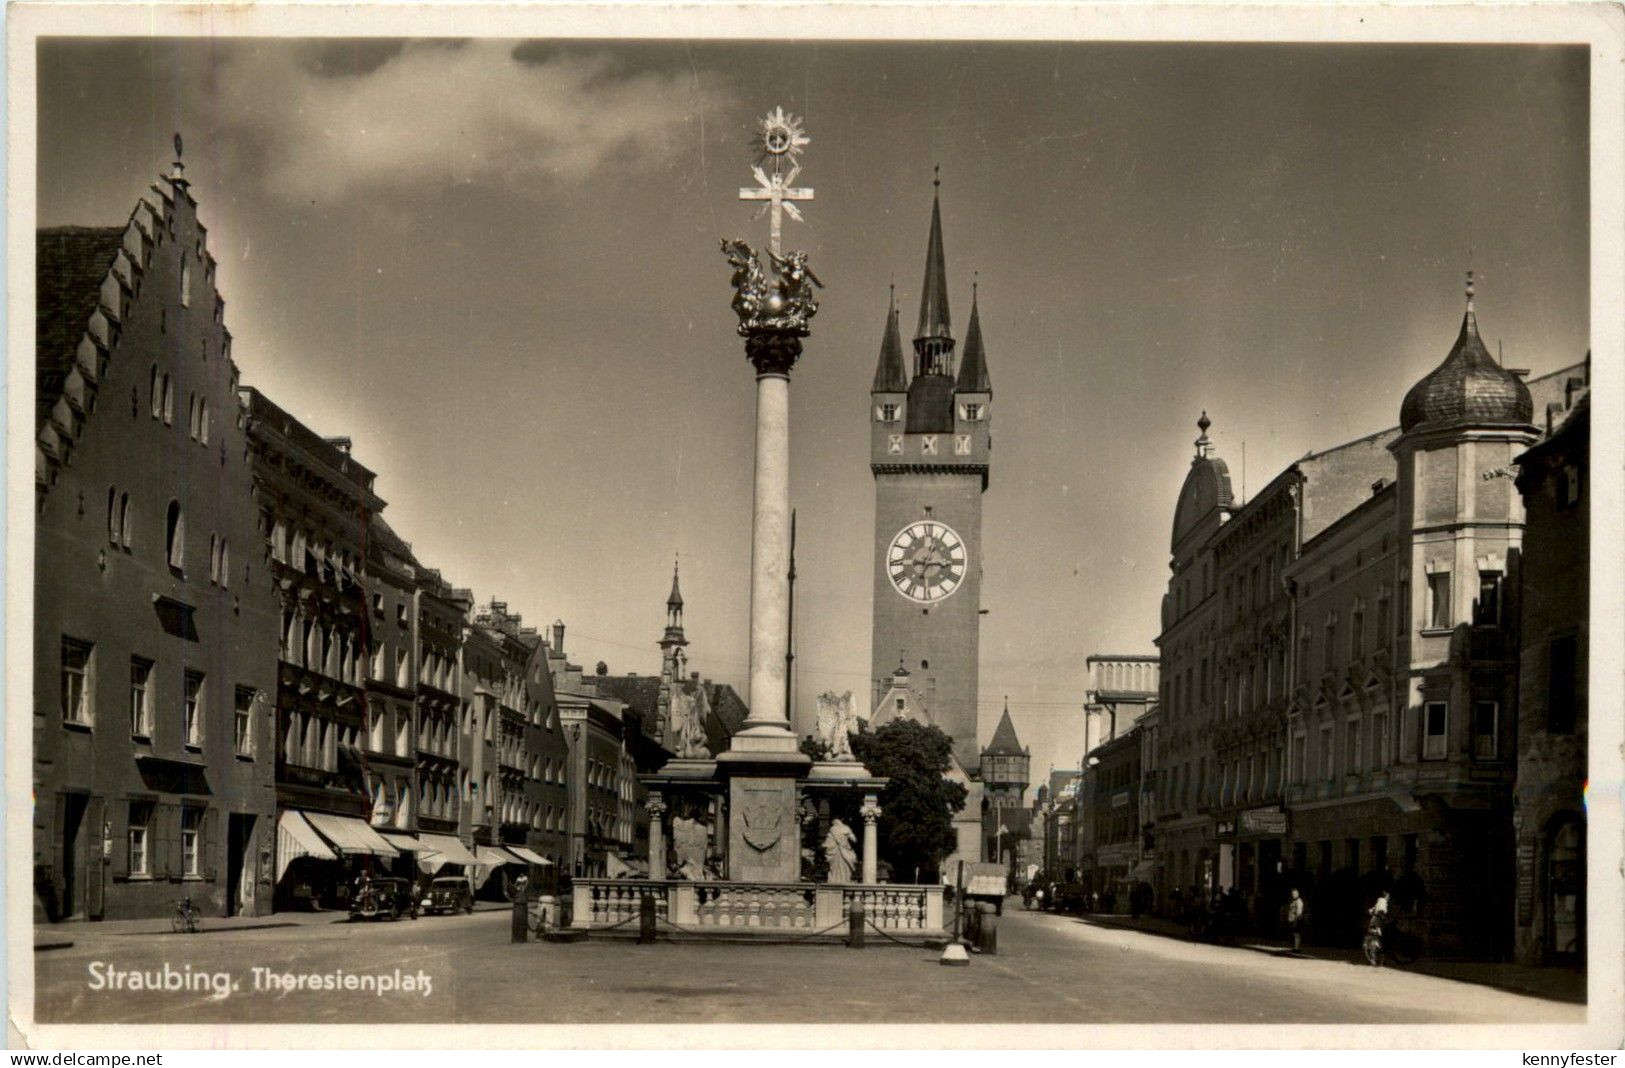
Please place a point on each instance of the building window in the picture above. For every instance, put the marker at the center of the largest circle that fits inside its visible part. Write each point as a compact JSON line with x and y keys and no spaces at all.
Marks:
{"x":124,"y":519}
{"x":191,"y":416}
{"x":140,"y":697}
{"x":76,"y":658}
{"x":1383,"y":609}
{"x":243,"y":722}
{"x":191,"y":842}
{"x":1379,"y":739}
{"x":1433,"y":738}
{"x":1438,"y":606}
{"x":1351,"y":747}
{"x":1357,"y":632}
{"x":156,"y":394}
{"x":1562,"y":693}
{"x":1326,"y":770}
{"x":175,"y":537}
{"x":1300,"y":770}
{"x":1568,"y":486}
{"x":1487,"y":612}
{"x":139,"y":839}
{"x":192,"y":710}
{"x":888,"y":413}
{"x":1331,"y":644}
{"x":169,"y":401}
{"x":186,"y":284}
{"x":113,"y":528}
{"x":1486,"y":720}
{"x":203,"y":420}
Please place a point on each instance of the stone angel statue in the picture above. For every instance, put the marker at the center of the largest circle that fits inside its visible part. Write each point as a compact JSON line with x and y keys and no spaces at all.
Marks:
{"x":836,"y":722}
{"x":688,"y":712}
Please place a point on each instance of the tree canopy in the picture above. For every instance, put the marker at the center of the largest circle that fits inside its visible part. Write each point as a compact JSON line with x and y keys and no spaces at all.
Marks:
{"x":918,"y":805}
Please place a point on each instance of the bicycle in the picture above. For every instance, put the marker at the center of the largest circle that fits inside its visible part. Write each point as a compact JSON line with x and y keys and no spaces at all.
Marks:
{"x":186,"y":920}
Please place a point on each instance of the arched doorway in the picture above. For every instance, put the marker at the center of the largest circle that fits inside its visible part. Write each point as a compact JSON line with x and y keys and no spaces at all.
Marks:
{"x":1565,"y":889}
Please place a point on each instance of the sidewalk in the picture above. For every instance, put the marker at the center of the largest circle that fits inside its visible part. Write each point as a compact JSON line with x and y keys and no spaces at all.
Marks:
{"x":1553,"y":984}
{"x":60,"y":935}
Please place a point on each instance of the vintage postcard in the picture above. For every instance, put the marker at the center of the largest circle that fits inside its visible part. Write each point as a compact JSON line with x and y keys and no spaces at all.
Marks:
{"x":506,"y":544}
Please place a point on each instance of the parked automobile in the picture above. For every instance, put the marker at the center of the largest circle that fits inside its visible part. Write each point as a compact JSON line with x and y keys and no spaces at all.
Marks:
{"x":383,"y":896}
{"x":448,"y":894}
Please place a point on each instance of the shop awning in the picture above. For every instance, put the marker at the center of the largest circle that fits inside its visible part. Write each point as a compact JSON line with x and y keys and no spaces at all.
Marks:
{"x":526,"y":855}
{"x":351,"y":835}
{"x":444,"y":849}
{"x":493,"y":857}
{"x":295,"y":838}
{"x":405,"y":843}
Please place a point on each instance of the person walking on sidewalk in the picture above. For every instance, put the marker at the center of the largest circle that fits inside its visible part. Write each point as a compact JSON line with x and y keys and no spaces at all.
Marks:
{"x":1294,"y":919}
{"x":1375,"y":918}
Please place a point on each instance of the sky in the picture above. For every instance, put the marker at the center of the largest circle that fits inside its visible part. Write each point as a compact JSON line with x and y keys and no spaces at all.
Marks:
{"x":493,"y":264}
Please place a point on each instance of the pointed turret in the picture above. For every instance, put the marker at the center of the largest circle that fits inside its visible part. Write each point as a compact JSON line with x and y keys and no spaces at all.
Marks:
{"x":934,"y":322}
{"x":1005,"y":742}
{"x":890,"y":374}
{"x":675,"y":601}
{"x":672,"y":658}
{"x":973,"y":376}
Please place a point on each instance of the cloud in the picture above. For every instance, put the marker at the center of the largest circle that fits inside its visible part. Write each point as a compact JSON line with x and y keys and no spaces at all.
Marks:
{"x":447,"y":114}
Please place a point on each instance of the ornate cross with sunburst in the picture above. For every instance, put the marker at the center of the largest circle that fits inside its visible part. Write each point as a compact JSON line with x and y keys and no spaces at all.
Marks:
{"x":779,"y":141}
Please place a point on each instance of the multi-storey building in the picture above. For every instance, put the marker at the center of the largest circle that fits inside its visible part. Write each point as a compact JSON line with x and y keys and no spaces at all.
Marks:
{"x":389,"y":745}
{"x":316,"y":502}
{"x":154,"y":624}
{"x":1114,"y":847}
{"x":1190,"y":620}
{"x":1549,"y":810}
{"x":1349,"y":725}
{"x":1121,"y":687}
{"x":444,"y":806}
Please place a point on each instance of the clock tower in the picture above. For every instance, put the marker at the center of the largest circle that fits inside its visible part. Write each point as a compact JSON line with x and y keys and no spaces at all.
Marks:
{"x":929,"y":444}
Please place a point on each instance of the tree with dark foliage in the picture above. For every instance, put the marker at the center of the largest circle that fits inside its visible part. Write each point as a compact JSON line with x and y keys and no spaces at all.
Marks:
{"x":918,"y":805}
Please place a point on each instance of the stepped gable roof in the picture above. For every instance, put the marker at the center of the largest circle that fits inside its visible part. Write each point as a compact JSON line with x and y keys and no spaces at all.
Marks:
{"x":1469,"y":386}
{"x":70,"y":264}
{"x":1005,"y":742}
{"x":973,"y":376}
{"x":934,"y":318}
{"x":890,"y":374}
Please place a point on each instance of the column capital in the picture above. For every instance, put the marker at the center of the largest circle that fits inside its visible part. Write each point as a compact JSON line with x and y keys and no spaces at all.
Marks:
{"x":656,"y":804}
{"x":772,"y":352}
{"x":870,"y":810}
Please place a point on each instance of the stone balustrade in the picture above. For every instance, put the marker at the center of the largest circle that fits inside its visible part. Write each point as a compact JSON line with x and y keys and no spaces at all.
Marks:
{"x":764,"y":907}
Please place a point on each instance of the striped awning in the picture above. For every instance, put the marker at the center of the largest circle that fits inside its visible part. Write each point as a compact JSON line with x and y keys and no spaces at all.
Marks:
{"x":350,"y":835}
{"x":295,"y":838}
{"x":402,"y":841}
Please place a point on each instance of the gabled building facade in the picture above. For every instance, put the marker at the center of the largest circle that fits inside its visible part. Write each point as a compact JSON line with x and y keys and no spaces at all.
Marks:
{"x":154,"y":624}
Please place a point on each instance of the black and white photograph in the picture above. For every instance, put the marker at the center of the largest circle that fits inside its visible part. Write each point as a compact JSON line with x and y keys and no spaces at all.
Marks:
{"x":516,"y":537}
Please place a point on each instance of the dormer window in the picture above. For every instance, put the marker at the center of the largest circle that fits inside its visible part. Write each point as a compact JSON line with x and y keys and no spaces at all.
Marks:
{"x":971,"y":413}
{"x":888,"y":413}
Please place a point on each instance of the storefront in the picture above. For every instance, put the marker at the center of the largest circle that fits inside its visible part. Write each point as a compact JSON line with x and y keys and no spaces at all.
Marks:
{"x":319,"y":854}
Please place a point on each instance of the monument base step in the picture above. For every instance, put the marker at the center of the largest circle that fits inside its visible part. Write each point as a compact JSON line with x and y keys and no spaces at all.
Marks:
{"x":774,"y":936}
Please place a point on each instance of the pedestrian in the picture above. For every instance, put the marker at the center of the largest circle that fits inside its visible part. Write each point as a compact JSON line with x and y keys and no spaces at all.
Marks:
{"x":1294,"y":918}
{"x":1376,"y":916}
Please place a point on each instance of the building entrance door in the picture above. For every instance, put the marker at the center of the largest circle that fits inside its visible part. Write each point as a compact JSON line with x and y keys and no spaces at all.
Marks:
{"x":97,"y":838}
{"x":1565,"y":887}
{"x":70,"y":860}
{"x":240,"y":864}
{"x":1227,"y":865}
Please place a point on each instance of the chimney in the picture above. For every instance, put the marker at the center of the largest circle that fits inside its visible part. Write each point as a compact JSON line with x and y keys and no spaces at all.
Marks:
{"x":558,"y":636}
{"x":1571,"y":387}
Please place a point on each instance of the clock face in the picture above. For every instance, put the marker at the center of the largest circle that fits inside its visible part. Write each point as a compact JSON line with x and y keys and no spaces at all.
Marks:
{"x":926,"y":561}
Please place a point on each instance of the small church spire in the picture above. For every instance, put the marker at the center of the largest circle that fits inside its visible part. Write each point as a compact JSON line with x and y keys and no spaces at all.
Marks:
{"x":973,"y":377}
{"x":676,"y":598}
{"x":890,"y":374}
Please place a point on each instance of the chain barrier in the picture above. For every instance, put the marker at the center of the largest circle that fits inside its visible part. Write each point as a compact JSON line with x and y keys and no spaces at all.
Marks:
{"x":719,"y":937}
{"x":911,"y":945}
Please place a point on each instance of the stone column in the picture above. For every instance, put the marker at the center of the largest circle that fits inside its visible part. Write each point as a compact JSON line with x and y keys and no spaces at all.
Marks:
{"x":657,"y":835}
{"x":871,"y":859}
{"x":767,"y":728}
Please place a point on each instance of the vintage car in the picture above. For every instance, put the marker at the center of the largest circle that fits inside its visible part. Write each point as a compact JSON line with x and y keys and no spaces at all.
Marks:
{"x":447,"y":894}
{"x":383,"y":896}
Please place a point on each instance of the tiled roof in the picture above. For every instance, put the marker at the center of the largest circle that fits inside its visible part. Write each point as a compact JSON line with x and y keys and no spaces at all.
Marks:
{"x":640,"y":693}
{"x":1468,"y":386}
{"x":70,"y":264}
{"x":1005,"y":742}
{"x":973,"y":368}
{"x":728,"y":712}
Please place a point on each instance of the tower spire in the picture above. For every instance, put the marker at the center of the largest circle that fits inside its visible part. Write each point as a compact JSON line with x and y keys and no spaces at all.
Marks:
{"x":672,"y":642}
{"x":973,"y":377}
{"x":933,"y":336}
{"x":890,"y":375}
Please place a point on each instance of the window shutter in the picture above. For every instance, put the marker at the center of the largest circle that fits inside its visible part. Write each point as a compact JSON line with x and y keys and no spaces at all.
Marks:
{"x":119,"y":815}
{"x":166,"y":845}
{"x":208,"y":845}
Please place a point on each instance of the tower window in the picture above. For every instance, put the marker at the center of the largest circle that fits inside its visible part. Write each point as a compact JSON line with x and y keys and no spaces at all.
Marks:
{"x":973,"y":412}
{"x":888,"y":413}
